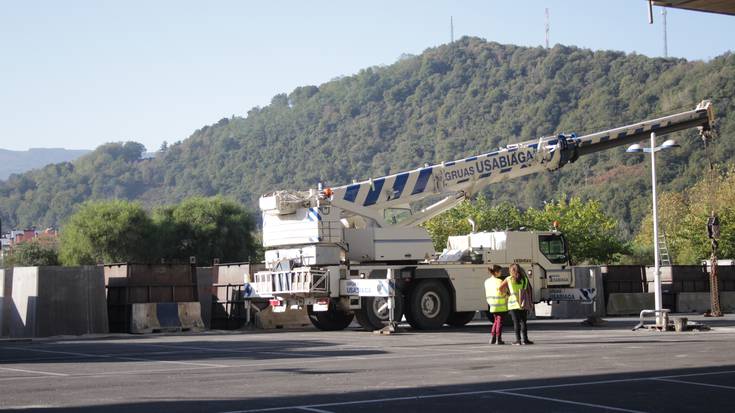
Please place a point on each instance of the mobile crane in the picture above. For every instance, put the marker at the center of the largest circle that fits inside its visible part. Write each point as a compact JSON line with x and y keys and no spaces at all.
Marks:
{"x":342,"y":251}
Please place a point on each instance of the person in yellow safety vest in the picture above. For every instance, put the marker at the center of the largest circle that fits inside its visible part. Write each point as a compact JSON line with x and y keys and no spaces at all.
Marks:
{"x":520,"y":295}
{"x":497,"y":303}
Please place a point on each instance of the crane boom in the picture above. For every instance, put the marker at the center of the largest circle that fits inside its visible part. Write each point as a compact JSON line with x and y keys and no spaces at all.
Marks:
{"x":462,"y":178}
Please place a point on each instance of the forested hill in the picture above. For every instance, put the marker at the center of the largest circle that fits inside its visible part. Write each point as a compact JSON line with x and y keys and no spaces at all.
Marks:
{"x":449,"y":102}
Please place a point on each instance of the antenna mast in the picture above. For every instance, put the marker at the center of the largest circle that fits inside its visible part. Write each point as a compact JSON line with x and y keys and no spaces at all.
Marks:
{"x":451,"y":29}
{"x":547,"y":27}
{"x":666,"y":43}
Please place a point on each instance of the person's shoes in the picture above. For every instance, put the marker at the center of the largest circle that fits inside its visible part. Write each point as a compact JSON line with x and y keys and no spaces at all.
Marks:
{"x":500,"y":342}
{"x":526,"y":342}
{"x":516,"y":343}
{"x":493,"y":340}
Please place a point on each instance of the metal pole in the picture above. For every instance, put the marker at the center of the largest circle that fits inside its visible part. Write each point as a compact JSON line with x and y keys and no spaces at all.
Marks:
{"x":656,"y":268}
{"x":391,"y":299}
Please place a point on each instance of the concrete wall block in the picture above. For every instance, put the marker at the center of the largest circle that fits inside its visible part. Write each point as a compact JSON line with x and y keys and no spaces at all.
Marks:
{"x":6,"y":288}
{"x":24,"y":298}
{"x":629,"y":303}
{"x":700,"y":302}
{"x":267,"y":319}
{"x":48,"y":301}
{"x":204,"y":291}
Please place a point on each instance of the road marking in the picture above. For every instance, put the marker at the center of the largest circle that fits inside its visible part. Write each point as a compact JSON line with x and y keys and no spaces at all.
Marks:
{"x":511,"y":391}
{"x":286,"y":353}
{"x":598,"y":406}
{"x":719,"y":386}
{"x":112,"y":356}
{"x":311,"y":409}
{"x":48,"y":373}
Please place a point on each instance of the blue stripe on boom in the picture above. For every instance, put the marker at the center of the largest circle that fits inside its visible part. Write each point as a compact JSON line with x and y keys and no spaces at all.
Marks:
{"x":533,"y":145}
{"x":399,"y":184}
{"x":372,"y":196}
{"x":502,"y":171}
{"x":491,"y":153}
{"x":622,"y":134}
{"x":449,"y":163}
{"x":639,"y":130}
{"x":604,"y":138}
{"x":463,"y":180}
{"x":655,"y":126}
{"x":351,"y":193}
{"x":471,"y":158}
{"x":485,"y":175}
{"x":421,"y":182}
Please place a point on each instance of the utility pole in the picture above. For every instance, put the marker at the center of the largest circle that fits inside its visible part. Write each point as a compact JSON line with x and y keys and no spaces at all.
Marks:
{"x":666,"y":44}
{"x":451,"y":29}
{"x":547,"y":27}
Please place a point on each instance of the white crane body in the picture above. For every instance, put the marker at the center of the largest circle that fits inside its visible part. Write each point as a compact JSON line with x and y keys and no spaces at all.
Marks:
{"x":332,"y":249}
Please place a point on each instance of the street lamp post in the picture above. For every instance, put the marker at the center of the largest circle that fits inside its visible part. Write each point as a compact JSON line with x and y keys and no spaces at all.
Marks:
{"x":635,"y":148}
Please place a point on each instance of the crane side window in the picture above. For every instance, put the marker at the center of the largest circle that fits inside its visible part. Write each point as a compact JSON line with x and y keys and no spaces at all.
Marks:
{"x":554,"y":248}
{"x":396,"y":215}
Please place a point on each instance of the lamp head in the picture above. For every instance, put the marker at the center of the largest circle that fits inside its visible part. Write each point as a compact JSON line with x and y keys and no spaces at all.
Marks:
{"x":670,"y":143}
{"x":634,"y":148}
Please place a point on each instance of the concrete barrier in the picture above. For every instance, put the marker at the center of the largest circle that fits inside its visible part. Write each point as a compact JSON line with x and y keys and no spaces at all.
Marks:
{"x":48,"y":301}
{"x":159,"y":317}
{"x":267,"y":319}
{"x":6,"y":283}
{"x":143,"y":318}
{"x":629,"y":303}
{"x":700,"y":302}
{"x":204,"y":291}
{"x":190,"y":316}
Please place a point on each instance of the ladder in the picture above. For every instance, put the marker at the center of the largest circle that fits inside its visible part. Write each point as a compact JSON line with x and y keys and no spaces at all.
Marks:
{"x":663,"y":250}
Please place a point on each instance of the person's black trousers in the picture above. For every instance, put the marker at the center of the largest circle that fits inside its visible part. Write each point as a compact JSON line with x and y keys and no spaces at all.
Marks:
{"x":519,"y":324}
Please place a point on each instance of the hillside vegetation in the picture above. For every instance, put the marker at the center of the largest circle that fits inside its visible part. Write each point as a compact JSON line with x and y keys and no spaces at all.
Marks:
{"x":449,"y":102}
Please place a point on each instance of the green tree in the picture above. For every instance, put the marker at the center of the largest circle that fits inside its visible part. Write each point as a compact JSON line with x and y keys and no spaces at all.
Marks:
{"x":593,"y":236}
{"x":33,"y":253}
{"x":683,"y":218}
{"x":107,"y":231}
{"x":205,"y":228}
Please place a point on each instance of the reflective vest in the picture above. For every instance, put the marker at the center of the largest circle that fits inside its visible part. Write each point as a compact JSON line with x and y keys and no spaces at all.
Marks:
{"x":496,"y":301}
{"x":514,"y":289}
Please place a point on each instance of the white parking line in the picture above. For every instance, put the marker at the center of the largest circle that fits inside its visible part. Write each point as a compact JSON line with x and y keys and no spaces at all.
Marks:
{"x":48,"y":373}
{"x":510,"y":392}
{"x":310,"y":409}
{"x":113,"y":356}
{"x":719,"y":386}
{"x":598,"y":406}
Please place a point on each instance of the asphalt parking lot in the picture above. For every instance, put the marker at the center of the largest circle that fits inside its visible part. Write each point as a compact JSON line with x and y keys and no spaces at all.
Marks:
{"x":570,"y":369}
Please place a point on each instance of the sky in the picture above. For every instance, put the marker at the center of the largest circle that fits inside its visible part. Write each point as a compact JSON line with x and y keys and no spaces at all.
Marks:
{"x":77,"y":74}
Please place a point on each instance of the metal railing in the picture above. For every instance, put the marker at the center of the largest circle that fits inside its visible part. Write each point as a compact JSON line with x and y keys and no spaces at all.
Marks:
{"x":294,"y":282}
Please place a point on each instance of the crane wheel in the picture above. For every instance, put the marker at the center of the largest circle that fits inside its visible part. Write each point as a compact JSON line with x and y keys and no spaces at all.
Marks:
{"x":373,"y":315}
{"x":429,"y":305}
{"x":330,"y":320}
{"x":460,"y":318}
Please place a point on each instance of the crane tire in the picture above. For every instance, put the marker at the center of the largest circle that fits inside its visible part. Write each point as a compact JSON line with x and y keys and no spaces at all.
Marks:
{"x":429,"y":305}
{"x":460,"y":318}
{"x":330,"y":320}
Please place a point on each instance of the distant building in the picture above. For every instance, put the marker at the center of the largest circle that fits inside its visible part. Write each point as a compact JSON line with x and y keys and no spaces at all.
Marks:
{"x":15,"y":237}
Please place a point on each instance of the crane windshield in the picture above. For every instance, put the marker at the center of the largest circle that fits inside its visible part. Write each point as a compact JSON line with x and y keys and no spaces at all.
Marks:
{"x":554,"y":248}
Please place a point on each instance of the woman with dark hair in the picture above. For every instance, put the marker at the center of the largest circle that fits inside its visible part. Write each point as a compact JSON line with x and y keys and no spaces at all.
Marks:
{"x":497,"y":303}
{"x":520,"y":294}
